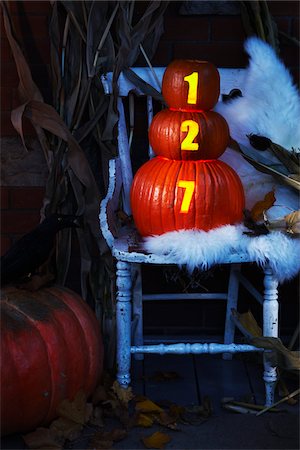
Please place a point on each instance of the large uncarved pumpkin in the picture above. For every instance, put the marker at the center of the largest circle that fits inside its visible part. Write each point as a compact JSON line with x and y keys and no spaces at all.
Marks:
{"x":169,"y":195}
{"x":51,"y":348}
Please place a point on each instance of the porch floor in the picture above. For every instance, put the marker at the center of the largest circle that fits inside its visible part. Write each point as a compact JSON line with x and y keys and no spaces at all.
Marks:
{"x":188,"y":380}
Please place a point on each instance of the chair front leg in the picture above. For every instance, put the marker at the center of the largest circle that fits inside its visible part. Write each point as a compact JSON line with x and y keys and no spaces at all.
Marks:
{"x":232,"y":300}
{"x":270,"y":329}
{"x":123,"y":311}
{"x":137,"y":304}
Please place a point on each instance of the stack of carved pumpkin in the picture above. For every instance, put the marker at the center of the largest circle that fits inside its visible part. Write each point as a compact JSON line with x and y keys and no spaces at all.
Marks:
{"x":185,"y":186}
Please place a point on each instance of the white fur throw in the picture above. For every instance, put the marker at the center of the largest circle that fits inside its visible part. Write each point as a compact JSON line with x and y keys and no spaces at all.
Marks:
{"x":201,"y":249}
{"x":270,"y":105}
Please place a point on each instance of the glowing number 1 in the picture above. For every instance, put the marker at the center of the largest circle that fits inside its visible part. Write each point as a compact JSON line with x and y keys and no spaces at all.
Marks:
{"x":192,"y":79}
{"x":189,"y":187}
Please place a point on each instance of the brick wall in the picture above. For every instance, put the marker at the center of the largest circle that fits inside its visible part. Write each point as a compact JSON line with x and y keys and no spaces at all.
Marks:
{"x":19,"y":212}
{"x":219,"y":38}
{"x":20,"y":205}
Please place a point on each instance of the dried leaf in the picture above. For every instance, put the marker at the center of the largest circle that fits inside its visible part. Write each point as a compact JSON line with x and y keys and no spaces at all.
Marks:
{"x":282,"y":356}
{"x":156,"y":440}
{"x":165,"y":376}
{"x":97,"y":417}
{"x":166,"y":420}
{"x":144,"y":420}
{"x":74,"y":410}
{"x":289,"y":223}
{"x":100,"y":395}
{"x":43,"y":438}
{"x":248,"y":321}
{"x":105,"y":439}
{"x":28,"y":90}
{"x":124,"y":395}
{"x":263,"y":205}
{"x":293,"y":222}
{"x":176,"y":411}
{"x":266,"y":168}
{"x":66,"y":428}
{"x":147,"y":406}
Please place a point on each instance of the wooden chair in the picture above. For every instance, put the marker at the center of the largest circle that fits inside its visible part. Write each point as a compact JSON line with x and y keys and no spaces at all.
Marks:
{"x":127,"y":249}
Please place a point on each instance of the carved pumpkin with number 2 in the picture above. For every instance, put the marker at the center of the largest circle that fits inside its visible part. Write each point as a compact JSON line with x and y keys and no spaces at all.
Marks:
{"x":188,"y":135}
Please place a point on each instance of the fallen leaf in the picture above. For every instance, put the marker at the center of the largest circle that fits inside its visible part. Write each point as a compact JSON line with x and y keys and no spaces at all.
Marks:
{"x":124,"y":395}
{"x":166,"y":420}
{"x":248,"y":321}
{"x":207,"y":406}
{"x":293,"y":222}
{"x":101,"y":444}
{"x":147,"y":406}
{"x":99,"y":395}
{"x":97,"y":417}
{"x":156,"y":440}
{"x":74,"y":410}
{"x":66,"y":428}
{"x":263,"y":205}
{"x":165,"y":376}
{"x":43,"y":438}
{"x":106,"y":439}
{"x":176,"y":411}
{"x":144,"y":420}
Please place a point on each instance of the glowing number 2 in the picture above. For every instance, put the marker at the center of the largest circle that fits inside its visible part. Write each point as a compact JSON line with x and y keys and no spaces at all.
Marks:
{"x":189,"y":187}
{"x":193,"y":129}
{"x":192,"y":79}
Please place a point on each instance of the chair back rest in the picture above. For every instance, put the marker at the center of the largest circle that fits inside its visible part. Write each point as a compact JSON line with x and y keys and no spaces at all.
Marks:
{"x":229,"y":79}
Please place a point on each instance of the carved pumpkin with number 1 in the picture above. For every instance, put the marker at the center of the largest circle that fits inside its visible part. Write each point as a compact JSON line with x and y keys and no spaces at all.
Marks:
{"x":191,"y":85}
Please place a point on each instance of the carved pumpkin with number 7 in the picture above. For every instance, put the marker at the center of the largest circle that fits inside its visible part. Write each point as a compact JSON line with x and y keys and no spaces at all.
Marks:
{"x":169,"y":195}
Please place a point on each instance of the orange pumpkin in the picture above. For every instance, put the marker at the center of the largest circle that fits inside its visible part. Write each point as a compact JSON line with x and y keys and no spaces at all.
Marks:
{"x":188,"y":135}
{"x":51,"y":347}
{"x":191,"y":85}
{"x":169,"y":195}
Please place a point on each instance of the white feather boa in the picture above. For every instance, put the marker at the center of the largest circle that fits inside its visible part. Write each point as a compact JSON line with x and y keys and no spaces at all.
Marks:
{"x":203,"y":249}
{"x":270,"y":107}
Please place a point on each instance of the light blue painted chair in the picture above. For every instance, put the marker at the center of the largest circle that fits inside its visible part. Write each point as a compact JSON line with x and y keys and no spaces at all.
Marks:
{"x":128,"y":252}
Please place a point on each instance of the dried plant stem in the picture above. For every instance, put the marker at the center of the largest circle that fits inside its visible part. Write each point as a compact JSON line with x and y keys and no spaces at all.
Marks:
{"x":105,"y":33}
{"x":290,"y":38}
{"x":150,"y":65}
{"x":77,"y":26}
{"x":293,"y":394}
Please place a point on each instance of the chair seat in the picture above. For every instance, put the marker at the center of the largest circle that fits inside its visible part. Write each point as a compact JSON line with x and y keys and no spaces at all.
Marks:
{"x":129,"y":247}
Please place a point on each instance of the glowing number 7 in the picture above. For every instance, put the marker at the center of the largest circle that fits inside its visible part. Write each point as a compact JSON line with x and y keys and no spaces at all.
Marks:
{"x":192,"y":79}
{"x":189,"y":187}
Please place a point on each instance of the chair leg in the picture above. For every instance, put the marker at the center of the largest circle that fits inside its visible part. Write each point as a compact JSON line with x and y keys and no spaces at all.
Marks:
{"x":270,"y":329}
{"x":123,"y":311}
{"x":233,"y":292}
{"x":137,"y":303}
